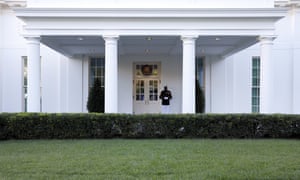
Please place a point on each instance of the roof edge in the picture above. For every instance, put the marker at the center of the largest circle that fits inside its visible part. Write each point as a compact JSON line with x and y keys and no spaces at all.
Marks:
{"x":150,"y":12}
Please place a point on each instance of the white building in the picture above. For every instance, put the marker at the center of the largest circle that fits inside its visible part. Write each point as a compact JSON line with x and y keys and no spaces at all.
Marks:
{"x":246,"y":53}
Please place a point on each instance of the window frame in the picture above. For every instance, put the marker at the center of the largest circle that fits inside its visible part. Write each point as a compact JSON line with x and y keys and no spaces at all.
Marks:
{"x":255,"y":84}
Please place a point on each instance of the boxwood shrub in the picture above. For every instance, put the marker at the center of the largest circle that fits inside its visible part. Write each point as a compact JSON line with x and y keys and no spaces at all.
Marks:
{"x":96,"y":125}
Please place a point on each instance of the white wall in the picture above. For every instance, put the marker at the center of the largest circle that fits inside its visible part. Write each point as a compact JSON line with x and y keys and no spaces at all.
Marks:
{"x":230,"y":95}
{"x":75,"y":85}
{"x":1,"y":80}
{"x":296,"y":62}
{"x":283,"y":63}
{"x":12,"y":49}
{"x":230,"y":79}
{"x":63,"y":93}
{"x":286,"y":64}
{"x":125,"y":86}
{"x":170,"y":75}
{"x":218,"y":85}
{"x":296,"y":81}
{"x":1,"y":58}
{"x":152,"y":3}
{"x":228,"y":82}
{"x":50,"y":80}
{"x":12,"y":80}
{"x":243,"y":79}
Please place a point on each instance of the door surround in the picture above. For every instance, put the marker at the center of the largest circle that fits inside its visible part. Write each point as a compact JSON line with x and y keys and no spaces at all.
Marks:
{"x":146,"y":87}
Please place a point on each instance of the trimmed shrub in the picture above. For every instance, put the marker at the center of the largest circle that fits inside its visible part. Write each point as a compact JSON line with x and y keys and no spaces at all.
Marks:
{"x":4,"y":131}
{"x":200,"y":99}
{"x":95,"y":101}
{"x":96,"y":125}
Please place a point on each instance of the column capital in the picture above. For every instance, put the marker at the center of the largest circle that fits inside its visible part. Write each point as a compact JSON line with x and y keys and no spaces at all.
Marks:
{"x":266,"y":39}
{"x":110,"y":37}
{"x":33,"y":39}
{"x":189,"y":37}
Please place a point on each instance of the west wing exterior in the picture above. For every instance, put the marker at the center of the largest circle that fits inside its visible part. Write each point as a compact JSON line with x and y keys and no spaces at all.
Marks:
{"x":244,"y":54}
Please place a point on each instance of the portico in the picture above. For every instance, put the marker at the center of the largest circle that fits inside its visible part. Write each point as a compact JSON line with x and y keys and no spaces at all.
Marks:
{"x":116,"y":32}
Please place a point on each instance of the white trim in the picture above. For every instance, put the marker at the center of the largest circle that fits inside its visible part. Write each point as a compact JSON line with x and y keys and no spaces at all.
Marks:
{"x":46,"y":21}
{"x":204,"y":31}
{"x":153,"y":106}
{"x":159,"y":21}
{"x":151,"y":12}
{"x":13,"y":3}
{"x":287,"y":3}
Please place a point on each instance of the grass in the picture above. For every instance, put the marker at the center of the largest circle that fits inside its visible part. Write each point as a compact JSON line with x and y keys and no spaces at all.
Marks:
{"x":150,"y":159}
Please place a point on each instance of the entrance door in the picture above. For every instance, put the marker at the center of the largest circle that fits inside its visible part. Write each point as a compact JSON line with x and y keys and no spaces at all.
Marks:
{"x":146,"y":88}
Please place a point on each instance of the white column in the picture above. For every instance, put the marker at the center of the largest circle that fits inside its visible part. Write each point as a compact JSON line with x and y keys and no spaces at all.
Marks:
{"x":188,"y":74}
{"x":266,"y":75}
{"x":34,"y":74}
{"x":111,"y":74}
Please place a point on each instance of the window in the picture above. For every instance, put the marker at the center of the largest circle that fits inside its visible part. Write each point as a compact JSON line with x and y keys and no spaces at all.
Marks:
{"x":146,"y":70}
{"x":140,"y":90}
{"x":96,"y":70}
{"x":200,"y":88}
{"x":255,"y":84}
{"x":153,"y":90}
{"x":25,"y":85}
{"x":200,"y":72}
{"x":25,"y":82}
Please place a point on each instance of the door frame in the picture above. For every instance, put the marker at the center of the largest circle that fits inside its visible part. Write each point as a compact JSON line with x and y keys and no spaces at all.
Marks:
{"x":146,"y":78}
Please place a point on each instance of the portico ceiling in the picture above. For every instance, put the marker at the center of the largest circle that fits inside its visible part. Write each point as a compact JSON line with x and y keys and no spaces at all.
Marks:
{"x":147,"y":45}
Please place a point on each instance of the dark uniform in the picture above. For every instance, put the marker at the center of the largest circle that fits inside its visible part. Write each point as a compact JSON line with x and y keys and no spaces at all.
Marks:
{"x":165,"y":97}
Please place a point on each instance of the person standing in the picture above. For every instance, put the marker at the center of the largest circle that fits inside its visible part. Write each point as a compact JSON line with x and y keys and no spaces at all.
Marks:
{"x":165,"y":96}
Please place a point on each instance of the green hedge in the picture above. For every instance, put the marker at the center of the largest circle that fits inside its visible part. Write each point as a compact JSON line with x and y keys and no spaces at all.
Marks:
{"x":63,"y":126}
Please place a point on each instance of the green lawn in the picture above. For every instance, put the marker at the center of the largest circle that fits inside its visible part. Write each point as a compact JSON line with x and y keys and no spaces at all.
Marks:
{"x":150,"y":159}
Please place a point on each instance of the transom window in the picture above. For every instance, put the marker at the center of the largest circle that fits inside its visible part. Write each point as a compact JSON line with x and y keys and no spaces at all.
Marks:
{"x":146,"y":70}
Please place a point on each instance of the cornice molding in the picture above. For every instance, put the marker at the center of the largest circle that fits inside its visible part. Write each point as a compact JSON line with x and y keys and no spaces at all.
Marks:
{"x":2,"y":4}
{"x":267,"y":39}
{"x":150,"y":13}
{"x":287,"y":3}
{"x":13,"y":3}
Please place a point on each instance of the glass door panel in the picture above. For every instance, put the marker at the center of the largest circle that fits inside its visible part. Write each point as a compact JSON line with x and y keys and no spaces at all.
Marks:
{"x":153,"y":90}
{"x":140,"y":90}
